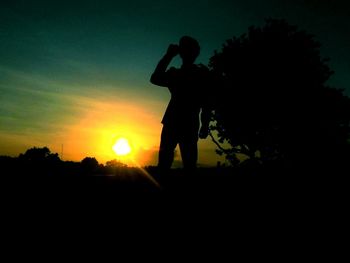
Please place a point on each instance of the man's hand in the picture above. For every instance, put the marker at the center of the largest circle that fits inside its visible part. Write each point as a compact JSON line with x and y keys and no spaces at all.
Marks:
{"x":173,"y":50}
{"x":203,"y":132}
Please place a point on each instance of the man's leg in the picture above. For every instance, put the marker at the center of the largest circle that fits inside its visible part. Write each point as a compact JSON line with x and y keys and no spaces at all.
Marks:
{"x":167,"y":147}
{"x":189,"y":151}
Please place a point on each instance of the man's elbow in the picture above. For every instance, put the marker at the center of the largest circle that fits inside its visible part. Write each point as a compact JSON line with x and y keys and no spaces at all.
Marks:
{"x":153,"y":79}
{"x":157,"y":80}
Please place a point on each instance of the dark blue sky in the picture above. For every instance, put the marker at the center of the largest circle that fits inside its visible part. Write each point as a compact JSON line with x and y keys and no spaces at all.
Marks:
{"x":59,"y":60}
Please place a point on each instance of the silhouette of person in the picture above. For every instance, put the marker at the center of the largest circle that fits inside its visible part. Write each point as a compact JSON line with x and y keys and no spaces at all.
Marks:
{"x":187,"y":86}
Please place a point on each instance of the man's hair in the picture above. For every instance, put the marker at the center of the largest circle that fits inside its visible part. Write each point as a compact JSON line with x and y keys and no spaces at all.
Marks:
{"x":191,"y":46}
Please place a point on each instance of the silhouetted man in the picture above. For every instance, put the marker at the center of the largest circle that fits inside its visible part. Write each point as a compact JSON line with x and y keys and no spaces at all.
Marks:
{"x":187,"y":86}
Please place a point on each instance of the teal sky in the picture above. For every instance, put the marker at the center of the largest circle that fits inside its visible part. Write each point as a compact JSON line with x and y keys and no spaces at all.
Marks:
{"x":62,"y":60}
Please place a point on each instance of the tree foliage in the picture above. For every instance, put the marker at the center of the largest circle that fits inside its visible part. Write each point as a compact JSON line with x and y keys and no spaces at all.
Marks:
{"x":39,"y":155}
{"x":115,"y":164}
{"x":272,"y":101}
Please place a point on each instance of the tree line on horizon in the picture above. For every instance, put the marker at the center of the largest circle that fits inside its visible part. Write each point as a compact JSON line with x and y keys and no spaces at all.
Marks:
{"x":42,"y":161}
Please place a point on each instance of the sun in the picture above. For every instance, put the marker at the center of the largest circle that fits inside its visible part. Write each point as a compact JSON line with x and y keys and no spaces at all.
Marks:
{"x":122,"y":147}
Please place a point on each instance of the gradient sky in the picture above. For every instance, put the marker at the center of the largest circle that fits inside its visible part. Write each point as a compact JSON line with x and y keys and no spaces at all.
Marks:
{"x":77,"y":72}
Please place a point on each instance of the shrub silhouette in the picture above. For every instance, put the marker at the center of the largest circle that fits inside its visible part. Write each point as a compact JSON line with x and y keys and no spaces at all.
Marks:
{"x":272,"y":102}
{"x":38,"y":161}
{"x":89,"y":165}
{"x":114,"y":166}
{"x":39,"y":155}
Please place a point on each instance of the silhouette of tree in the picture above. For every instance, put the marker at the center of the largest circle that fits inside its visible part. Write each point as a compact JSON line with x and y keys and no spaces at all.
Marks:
{"x":113,"y":166}
{"x":115,"y":163}
{"x":39,"y":155}
{"x":89,"y":165}
{"x":38,"y":161}
{"x":272,"y":102}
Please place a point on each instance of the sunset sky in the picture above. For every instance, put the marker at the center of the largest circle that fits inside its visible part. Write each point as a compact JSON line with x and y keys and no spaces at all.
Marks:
{"x":76,"y":73}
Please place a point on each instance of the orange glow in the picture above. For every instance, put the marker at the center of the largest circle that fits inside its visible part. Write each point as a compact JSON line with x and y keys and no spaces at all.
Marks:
{"x":103,"y":123}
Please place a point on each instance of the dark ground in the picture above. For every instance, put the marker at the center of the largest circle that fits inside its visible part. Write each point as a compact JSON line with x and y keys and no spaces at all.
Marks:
{"x":226,"y":184}
{"x":213,"y":201}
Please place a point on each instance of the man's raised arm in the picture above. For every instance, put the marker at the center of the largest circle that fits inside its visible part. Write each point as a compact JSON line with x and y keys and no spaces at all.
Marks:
{"x":159,"y":76}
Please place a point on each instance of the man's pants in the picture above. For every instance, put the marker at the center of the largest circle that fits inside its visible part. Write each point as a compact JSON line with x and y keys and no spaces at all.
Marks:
{"x":187,"y":139}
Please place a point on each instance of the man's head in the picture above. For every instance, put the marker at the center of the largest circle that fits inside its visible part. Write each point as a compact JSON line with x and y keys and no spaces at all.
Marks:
{"x":188,"y":49}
